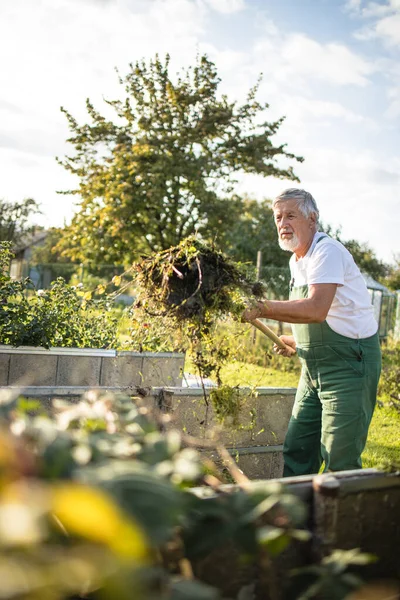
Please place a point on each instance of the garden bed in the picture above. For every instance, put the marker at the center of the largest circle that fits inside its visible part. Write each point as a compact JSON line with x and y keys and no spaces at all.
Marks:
{"x":255,"y":440}
{"x":66,"y":367}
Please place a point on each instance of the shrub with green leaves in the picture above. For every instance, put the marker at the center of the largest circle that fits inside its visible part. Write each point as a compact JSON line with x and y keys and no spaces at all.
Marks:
{"x":62,"y":315}
{"x":390,"y":379}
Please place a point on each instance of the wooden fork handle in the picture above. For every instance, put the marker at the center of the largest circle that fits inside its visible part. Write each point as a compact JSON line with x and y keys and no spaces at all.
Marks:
{"x":268,"y":332}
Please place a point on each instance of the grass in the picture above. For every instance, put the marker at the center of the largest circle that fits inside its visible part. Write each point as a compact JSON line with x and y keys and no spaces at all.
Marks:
{"x":383,"y":445}
{"x":245,"y":374}
{"x":382,"y":450}
{"x":249,"y":375}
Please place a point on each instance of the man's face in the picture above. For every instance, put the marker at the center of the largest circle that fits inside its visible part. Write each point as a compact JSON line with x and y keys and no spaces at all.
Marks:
{"x":295,"y":231}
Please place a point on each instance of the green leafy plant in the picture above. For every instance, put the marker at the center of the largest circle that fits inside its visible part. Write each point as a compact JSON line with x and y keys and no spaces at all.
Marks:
{"x":390,"y":378}
{"x":106,"y":502}
{"x":62,"y":315}
{"x":332,"y":579}
{"x":227,"y":403}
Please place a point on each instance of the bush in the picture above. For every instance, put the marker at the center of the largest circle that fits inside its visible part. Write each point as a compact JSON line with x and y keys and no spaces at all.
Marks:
{"x":389,"y":384}
{"x":63,"y":315}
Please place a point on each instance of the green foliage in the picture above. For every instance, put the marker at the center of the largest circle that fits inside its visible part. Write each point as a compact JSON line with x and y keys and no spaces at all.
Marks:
{"x":103,"y":493}
{"x":15,"y":218}
{"x":227,"y":402}
{"x":390,"y":377}
{"x":331,"y":579}
{"x":382,"y":450}
{"x":244,"y":344}
{"x":392,"y":280}
{"x":145,"y":333}
{"x":60,"y":316}
{"x":166,"y":166}
{"x":253,"y":230}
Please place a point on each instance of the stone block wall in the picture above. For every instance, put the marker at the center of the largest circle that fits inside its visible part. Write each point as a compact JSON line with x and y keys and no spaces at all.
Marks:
{"x":256,"y":444}
{"x":68,"y":367}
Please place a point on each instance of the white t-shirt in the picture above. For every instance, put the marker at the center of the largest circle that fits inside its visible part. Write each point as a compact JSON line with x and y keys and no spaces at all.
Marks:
{"x":351,"y":313}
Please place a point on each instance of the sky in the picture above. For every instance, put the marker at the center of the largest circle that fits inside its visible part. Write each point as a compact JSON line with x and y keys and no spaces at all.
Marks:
{"x":331,"y":67}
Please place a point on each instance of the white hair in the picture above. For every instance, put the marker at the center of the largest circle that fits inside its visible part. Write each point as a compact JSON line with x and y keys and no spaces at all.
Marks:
{"x":305,"y":201}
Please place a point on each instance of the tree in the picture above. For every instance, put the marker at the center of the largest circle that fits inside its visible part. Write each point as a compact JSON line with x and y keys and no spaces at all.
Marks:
{"x":253,"y":230}
{"x":367,"y":260}
{"x":363,"y":255}
{"x":47,"y":252}
{"x":167,"y":165}
{"x":15,"y":219}
{"x":393,"y":278}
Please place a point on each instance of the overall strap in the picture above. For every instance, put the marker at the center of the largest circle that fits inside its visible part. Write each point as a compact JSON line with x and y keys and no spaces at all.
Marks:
{"x":307,"y":334}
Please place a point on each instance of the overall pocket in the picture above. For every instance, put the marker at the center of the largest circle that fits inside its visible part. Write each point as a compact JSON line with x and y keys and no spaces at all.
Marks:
{"x":350,"y":356}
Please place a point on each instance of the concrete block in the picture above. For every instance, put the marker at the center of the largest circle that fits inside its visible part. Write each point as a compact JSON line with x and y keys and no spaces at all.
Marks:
{"x":78,"y":370}
{"x":32,"y":369}
{"x":159,"y":371}
{"x":122,"y":371}
{"x":263,"y":419}
{"x":260,"y":464}
{"x":190,"y":414}
{"x":4,"y":368}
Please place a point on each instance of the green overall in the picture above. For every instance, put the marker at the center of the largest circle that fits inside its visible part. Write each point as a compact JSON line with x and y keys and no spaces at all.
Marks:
{"x":335,"y":398}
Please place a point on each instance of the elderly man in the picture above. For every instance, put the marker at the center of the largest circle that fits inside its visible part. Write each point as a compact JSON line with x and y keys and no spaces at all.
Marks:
{"x":335,"y":337}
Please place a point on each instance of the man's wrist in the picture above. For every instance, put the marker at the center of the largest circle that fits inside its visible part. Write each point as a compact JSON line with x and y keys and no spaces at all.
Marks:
{"x":263,"y":310}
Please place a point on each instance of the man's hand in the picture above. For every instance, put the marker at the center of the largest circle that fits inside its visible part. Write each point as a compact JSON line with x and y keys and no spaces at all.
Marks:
{"x":290,"y":349}
{"x":257,"y":310}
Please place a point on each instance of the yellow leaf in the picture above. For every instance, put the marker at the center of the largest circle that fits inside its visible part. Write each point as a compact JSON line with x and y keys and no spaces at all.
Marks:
{"x":91,"y":514}
{"x":116,"y":280}
{"x":100,"y":289}
{"x":87,"y":296}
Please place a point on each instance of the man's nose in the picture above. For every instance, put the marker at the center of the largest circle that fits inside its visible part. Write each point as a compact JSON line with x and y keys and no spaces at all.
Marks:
{"x":284,"y":223}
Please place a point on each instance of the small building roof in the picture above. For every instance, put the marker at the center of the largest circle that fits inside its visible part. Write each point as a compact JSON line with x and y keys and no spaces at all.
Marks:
{"x":29,"y":240}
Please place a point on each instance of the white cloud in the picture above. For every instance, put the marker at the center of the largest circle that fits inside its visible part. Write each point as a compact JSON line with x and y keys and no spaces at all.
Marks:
{"x":300,"y":108}
{"x":332,"y":62}
{"x":226,"y":6}
{"x":373,"y":9}
{"x":352,"y":5}
{"x":368,"y":10}
{"x":388,"y":30}
{"x":385,"y":25}
{"x":298,"y":57}
{"x":393,"y":111}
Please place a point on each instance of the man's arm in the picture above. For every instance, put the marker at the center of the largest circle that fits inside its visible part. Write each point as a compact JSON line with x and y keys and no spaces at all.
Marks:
{"x":313,"y":309}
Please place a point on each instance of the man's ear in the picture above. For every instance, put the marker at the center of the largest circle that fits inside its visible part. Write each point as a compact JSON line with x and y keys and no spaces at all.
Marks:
{"x":313,"y":219}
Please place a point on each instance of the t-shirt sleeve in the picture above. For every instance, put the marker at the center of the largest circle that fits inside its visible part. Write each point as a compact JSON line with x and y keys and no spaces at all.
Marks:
{"x":326,"y":265}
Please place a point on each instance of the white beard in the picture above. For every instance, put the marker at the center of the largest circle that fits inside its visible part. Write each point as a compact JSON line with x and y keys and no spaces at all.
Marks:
{"x":289,"y":245}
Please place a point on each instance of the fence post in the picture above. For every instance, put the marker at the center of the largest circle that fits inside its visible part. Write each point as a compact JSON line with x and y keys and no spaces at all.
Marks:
{"x":258,"y":275}
{"x":396,"y":332}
